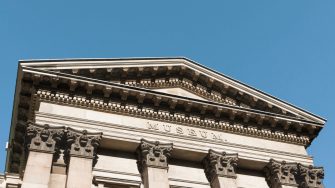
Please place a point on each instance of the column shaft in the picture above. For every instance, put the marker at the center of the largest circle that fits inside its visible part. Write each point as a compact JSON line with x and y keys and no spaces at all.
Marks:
{"x":79,"y":173}
{"x":37,"y":172}
{"x":223,"y":182}
{"x":155,"y":177}
{"x":220,"y":169}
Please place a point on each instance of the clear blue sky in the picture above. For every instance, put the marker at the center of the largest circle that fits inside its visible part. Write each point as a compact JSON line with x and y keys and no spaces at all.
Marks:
{"x":285,"y":48}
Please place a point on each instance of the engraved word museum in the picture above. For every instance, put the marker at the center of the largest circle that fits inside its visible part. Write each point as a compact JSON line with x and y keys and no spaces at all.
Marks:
{"x":153,"y":123}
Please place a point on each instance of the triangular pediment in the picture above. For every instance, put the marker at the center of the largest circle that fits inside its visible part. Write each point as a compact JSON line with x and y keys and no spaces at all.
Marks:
{"x":174,"y":76}
{"x":180,"y":92}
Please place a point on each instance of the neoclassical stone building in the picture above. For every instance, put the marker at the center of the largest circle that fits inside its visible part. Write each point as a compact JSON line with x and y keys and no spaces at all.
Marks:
{"x":153,"y":123}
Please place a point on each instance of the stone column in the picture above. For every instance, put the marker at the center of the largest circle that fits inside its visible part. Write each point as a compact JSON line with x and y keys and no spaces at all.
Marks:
{"x":42,"y":144}
{"x":152,"y":163}
{"x":220,"y":169}
{"x":310,"y":177}
{"x":81,"y":157}
{"x":281,"y":174}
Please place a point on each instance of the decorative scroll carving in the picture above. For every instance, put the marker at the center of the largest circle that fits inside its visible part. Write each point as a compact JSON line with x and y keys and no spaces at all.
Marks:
{"x":220,"y":164}
{"x":153,"y":154}
{"x":43,"y":137}
{"x":82,"y":143}
{"x":293,"y":174}
{"x":281,"y":173}
{"x":310,"y":177}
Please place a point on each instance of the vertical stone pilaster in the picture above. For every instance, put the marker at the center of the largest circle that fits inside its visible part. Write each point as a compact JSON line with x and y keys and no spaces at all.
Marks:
{"x":220,"y":169}
{"x":42,"y":145}
{"x":281,"y":174}
{"x":81,"y":156}
{"x":152,"y":163}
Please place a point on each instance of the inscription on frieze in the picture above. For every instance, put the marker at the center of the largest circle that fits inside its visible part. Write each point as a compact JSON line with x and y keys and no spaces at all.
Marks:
{"x":185,"y":131}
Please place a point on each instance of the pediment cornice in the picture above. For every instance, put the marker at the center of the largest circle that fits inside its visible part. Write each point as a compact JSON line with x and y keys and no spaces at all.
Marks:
{"x":202,"y":78}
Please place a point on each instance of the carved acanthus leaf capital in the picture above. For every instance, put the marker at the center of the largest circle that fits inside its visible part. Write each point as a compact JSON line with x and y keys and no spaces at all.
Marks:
{"x":310,"y":177}
{"x":281,"y":173}
{"x":220,"y":164}
{"x":153,"y":154}
{"x":82,"y":143}
{"x":43,"y":137}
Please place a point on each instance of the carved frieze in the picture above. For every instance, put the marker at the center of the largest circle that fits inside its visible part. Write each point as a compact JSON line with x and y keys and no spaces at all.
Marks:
{"x":220,"y":164}
{"x":43,"y":137}
{"x":138,"y":111}
{"x":281,"y":173}
{"x":153,"y":154}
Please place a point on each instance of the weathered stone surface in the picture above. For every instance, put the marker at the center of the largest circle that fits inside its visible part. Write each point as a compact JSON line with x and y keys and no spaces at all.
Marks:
{"x":79,"y":172}
{"x":220,"y":169}
{"x":310,"y":177}
{"x":37,"y":172}
{"x":283,"y":174}
{"x":279,"y":174}
{"x":82,"y":144}
{"x":220,"y":164}
{"x":43,"y":137}
{"x":153,"y":154}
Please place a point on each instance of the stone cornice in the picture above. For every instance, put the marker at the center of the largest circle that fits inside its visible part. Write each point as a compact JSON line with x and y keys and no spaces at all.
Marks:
{"x":134,"y":110}
{"x":138,"y":67}
{"x":220,"y":164}
{"x":153,"y":154}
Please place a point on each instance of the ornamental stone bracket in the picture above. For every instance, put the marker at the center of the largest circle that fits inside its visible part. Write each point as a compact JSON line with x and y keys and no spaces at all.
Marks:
{"x":153,"y":154}
{"x":280,"y":174}
{"x":43,"y":138}
{"x":220,"y":164}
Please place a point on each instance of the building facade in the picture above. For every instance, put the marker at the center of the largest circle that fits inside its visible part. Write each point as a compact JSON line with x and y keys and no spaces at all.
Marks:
{"x":153,"y":123}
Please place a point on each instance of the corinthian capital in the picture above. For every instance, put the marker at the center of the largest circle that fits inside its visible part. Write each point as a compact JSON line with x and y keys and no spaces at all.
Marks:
{"x":310,"y":177}
{"x":82,"y":143}
{"x":281,"y":173}
{"x":43,"y":137}
{"x":220,"y":164}
{"x":153,"y":154}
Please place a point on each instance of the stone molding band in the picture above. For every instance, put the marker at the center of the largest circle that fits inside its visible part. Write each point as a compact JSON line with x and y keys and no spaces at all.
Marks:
{"x":51,"y":139}
{"x":227,"y":126}
{"x":293,"y":174}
